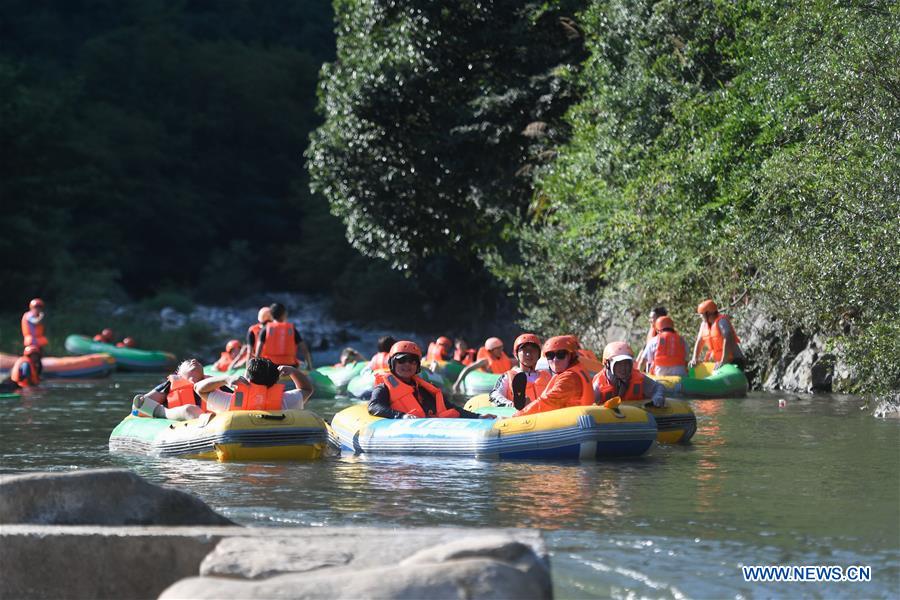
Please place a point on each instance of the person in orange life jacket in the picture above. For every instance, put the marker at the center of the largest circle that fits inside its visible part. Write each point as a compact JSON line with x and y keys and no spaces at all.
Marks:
{"x":174,"y":398}
{"x":527,"y":348}
{"x":232,"y":349}
{"x":570,"y":384}
{"x":402,"y":394}
{"x":667,"y":352}
{"x":263,"y":317}
{"x":105,"y":337}
{"x":218,"y":392}
{"x":619,"y":377}
{"x":379,"y":361}
{"x":717,"y":335}
{"x":126,"y":343}
{"x":655,"y":313}
{"x":33,"y":325}
{"x":26,"y":370}
{"x":462,"y":353}
{"x":442,"y":349}
{"x":494,"y":360}
{"x":283,"y":347}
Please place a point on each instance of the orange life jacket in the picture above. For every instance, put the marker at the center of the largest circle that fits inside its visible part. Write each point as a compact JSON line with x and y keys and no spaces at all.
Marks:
{"x":669,"y":350}
{"x":379,"y":362}
{"x":403,"y":398}
{"x":533,"y":389}
{"x":498,"y":366}
{"x":634,"y":391}
{"x":715,"y":341}
{"x":16,"y":375}
{"x":585,"y":353}
{"x":225,"y":359}
{"x":252,"y":396}
{"x":32,"y":334}
{"x":280,"y":346}
{"x":181,"y":393}
{"x":587,"y":392}
{"x":435,"y":352}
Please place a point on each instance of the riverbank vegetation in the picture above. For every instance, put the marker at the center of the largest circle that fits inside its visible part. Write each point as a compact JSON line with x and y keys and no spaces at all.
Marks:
{"x":744,"y":150}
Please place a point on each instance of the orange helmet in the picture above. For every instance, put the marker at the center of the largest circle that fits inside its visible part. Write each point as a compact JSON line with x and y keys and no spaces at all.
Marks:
{"x":232,"y":345}
{"x":707,"y":306}
{"x":561,"y":342}
{"x":264,"y":315}
{"x":493,"y":342}
{"x":445,"y":342}
{"x":128,"y":342}
{"x":526,"y":338}
{"x":405,"y":347}
{"x":37,"y":302}
{"x":29,"y":350}
{"x":616,"y":349}
{"x":664,"y":322}
{"x":107,"y":333}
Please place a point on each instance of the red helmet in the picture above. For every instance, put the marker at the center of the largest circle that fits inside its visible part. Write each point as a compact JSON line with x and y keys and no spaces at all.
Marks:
{"x":107,"y":333}
{"x":232,"y":345}
{"x":128,"y":342}
{"x":614,"y":349}
{"x":35,"y":303}
{"x":29,"y":350}
{"x":707,"y":306}
{"x":493,"y":342}
{"x":405,"y":347}
{"x":561,"y":342}
{"x":664,"y":322}
{"x":526,"y":338}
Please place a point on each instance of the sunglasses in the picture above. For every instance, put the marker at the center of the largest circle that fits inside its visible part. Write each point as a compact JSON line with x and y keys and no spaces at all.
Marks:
{"x":558,"y":355}
{"x":405,"y":360}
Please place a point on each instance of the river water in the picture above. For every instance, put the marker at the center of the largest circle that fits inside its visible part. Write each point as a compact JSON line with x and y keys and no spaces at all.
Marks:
{"x":815,"y":482}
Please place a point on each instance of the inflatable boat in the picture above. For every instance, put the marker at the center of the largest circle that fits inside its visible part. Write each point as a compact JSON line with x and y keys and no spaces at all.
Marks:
{"x":448,"y":369}
{"x":675,"y":422}
{"x":252,"y":435}
{"x":585,"y":432}
{"x":340,"y":376}
{"x":127,"y":359}
{"x":704,"y":381}
{"x":89,"y":365}
{"x":478,"y":382}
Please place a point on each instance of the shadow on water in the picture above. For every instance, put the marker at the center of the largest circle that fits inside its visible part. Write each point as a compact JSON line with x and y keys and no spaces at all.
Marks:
{"x":816,"y":482}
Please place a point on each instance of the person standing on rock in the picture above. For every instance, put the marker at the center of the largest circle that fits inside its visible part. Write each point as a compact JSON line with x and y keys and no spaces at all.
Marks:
{"x":717,"y":337}
{"x":280,"y":341}
{"x":174,"y":398}
{"x":667,"y":352}
{"x":402,"y":394}
{"x":33,"y":326}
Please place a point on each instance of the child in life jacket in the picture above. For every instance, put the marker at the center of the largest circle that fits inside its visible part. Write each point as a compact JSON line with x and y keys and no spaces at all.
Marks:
{"x":174,"y":398}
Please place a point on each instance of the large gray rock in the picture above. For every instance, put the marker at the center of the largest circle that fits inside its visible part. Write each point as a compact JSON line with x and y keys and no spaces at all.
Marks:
{"x":99,"y":497}
{"x":477,"y":566}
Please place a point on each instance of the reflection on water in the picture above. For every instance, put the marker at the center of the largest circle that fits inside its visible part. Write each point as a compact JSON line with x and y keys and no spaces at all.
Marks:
{"x":814,"y":482}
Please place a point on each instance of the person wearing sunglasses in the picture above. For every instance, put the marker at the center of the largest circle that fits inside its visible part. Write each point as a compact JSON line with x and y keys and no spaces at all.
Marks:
{"x":522,"y":384}
{"x":718,"y":337}
{"x":620,"y":377}
{"x":570,"y":384}
{"x":402,"y":394}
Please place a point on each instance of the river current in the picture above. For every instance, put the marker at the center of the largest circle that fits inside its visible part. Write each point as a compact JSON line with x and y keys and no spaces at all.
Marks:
{"x":813,"y":482}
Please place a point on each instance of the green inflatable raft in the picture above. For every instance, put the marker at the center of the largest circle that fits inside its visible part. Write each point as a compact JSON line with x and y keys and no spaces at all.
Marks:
{"x":341,"y":376}
{"x":479,"y":382}
{"x":127,"y":359}
{"x":704,"y":381}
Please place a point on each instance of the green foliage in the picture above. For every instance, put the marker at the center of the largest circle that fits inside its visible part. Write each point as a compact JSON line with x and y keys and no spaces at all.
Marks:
{"x":435,"y":113}
{"x":733,"y":150}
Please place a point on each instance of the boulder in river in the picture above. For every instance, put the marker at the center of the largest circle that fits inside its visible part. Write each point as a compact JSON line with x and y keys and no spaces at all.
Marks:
{"x":98,"y":497}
